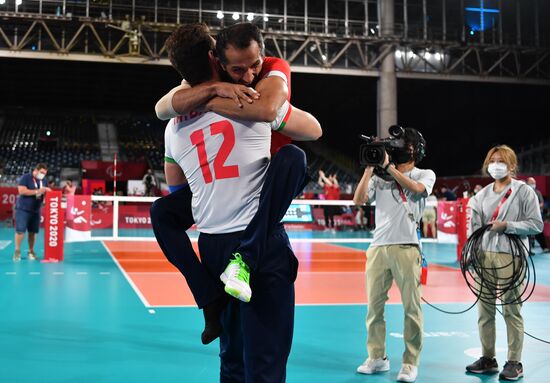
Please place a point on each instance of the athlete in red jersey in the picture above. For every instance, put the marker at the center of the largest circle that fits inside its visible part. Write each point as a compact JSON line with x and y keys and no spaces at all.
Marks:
{"x":171,"y":215}
{"x":269,"y":75}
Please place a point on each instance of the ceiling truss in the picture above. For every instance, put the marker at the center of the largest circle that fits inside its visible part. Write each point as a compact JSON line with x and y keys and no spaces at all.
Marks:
{"x":60,"y":37}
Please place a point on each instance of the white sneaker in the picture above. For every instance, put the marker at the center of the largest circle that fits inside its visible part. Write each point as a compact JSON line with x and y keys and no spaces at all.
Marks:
{"x":371,"y":366}
{"x":236,"y":278}
{"x":408,"y":373}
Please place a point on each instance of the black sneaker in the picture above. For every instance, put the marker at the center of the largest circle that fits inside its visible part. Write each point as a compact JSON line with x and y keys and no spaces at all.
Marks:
{"x":511,"y":371}
{"x":483,"y":365}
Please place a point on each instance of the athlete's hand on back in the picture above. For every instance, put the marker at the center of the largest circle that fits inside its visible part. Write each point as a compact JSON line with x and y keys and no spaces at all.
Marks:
{"x":237,"y":92}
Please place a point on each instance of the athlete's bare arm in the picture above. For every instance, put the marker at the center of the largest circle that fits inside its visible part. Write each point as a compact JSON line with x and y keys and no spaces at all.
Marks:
{"x":274,"y":92}
{"x":184,"y":99}
{"x":174,"y":174}
{"x":302,"y":126}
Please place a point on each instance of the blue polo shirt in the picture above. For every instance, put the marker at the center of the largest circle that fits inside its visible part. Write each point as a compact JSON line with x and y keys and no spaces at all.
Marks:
{"x":29,"y":202}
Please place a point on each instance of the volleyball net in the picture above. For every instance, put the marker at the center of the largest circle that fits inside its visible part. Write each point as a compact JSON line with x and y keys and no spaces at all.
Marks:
{"x":120,"y":218}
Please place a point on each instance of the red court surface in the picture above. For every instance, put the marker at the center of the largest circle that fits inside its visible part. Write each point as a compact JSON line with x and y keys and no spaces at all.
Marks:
{"x":328,"y":275}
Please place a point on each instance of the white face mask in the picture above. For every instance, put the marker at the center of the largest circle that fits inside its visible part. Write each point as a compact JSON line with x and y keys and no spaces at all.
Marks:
{"x":498,"y":170}
{"x":40,"y":176}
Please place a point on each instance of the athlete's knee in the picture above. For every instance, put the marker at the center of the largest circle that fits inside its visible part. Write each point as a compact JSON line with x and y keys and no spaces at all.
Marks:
{"x":293,"y":155}
{"x":158,"y":210}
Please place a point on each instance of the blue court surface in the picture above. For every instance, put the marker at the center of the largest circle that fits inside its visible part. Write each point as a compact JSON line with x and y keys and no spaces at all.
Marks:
{"x":83,"y":320}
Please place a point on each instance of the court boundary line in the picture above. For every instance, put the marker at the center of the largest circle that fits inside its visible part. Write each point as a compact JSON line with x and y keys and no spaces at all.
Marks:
{"x":128,"y":279}
{"x":295,"y":240}
{"x":338,"y":304}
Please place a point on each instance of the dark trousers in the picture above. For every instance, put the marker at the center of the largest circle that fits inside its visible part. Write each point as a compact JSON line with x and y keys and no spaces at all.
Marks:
{"x":171,"y":216}
{"x":330,"y":212}
{"x":540,"y":239}
{"x":257,"y":336}
{"x":285,"y":179}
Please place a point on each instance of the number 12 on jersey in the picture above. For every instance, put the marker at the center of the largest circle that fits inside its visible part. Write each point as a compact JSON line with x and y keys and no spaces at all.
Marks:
{"x":221,"y":170}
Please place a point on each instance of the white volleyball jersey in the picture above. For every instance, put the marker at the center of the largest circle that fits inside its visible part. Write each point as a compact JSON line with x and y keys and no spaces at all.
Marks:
{"x":225,"y":162}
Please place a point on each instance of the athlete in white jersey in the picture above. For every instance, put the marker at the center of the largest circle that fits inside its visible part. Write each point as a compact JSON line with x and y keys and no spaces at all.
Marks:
{"x":225,"y":162}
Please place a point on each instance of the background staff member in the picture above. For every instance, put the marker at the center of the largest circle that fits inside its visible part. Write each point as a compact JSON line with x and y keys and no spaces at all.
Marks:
{"x":27,"y":209}
{"x":511,"y":207}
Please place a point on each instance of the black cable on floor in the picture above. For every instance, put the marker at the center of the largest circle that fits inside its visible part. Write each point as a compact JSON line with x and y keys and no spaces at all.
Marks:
{"x":484,"y":282}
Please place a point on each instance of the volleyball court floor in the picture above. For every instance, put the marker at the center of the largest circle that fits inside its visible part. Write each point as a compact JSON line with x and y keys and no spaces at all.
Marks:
{"x":119,"y":312}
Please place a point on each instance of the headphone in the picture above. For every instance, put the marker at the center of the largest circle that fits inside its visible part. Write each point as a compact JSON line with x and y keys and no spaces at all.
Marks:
{"x":419,"y":145}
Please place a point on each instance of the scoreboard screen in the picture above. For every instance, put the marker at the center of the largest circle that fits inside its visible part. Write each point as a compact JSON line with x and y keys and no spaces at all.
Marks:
{"x":298,"y":213}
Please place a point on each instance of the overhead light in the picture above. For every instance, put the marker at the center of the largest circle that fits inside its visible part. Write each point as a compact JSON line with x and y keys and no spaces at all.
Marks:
{"x":18,"y":2}
{"x":398,"y":54}
{"x":324,"y":57}
{"x":438,"y":56}
{"x":219,"y":15}
{"x":266,"y":18}
{"x":235,"y":16}
{"x":372,"y":31}
{"x":48,"y":133}
{"x":2,"y":2}
{"x":250,"y":16}
{"x":427,"y":55}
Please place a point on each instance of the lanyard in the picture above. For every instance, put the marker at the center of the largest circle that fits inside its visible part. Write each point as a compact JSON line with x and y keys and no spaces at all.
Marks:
{"x":495,"y":214}
{"x":404,"y":199}
{"x":424,"y":275}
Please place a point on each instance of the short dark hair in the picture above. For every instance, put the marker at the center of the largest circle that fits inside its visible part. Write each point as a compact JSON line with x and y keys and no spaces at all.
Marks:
{"x":240,"y":36}
{"x":41,"y":165}
{"x":415,"y":138}
{"x":188,"y":48}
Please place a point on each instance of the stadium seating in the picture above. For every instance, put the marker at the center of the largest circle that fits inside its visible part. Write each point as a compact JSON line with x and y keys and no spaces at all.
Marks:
{"x":59,"y":141}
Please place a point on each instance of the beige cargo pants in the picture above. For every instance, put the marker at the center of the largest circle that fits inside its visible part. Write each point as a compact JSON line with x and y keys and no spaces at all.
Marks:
{"x":403,"y":264}
{"x":500,"y":266}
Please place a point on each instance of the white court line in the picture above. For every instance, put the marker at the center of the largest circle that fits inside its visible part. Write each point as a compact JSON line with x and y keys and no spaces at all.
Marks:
{"x":136,"y":290}
{"x":11,"y":273}
{"x":58,"y":273}
{"x":104,"y":273}
{"x":34,"y":273}
{"x":297,"y":304}
{"x":329,"y":304}
{"x":292,"y":240}
{"x":81,"y":273}
{"x":300,"y":272}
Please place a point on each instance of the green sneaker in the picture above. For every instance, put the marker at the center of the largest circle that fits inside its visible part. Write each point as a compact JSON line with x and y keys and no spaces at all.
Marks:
{"x":237,"y":279}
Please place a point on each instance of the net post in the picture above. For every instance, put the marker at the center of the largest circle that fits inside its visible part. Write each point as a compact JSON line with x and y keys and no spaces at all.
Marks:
{"x":115,"y":217}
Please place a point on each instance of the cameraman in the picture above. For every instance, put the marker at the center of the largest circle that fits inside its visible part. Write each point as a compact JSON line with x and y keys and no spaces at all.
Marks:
{"x":400,"y":190}
{"x":149,"y":182}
